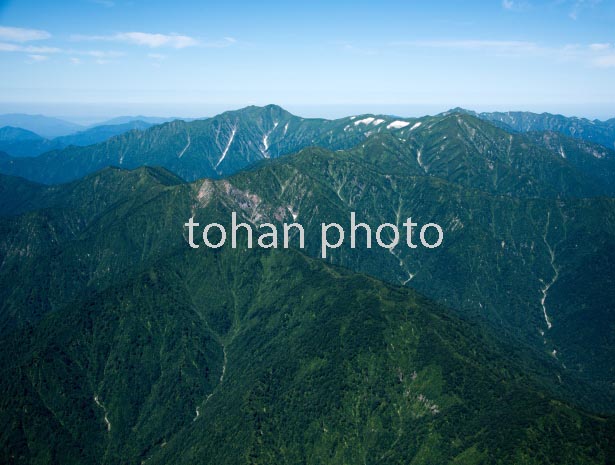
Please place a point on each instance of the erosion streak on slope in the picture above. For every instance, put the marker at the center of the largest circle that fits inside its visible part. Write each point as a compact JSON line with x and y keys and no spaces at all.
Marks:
{"x":185,"y":148}
{"x":266,"y":140}
{"x":409,"y":276}
{"x":100,"y":405}
{"x":545,"y":290}
{"x":228,"y":145}
{"x":419,"y":159}
{"x":209,"y":396}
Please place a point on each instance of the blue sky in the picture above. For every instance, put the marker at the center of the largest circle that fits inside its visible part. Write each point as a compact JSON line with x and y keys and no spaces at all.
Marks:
{"x":186,"y":58}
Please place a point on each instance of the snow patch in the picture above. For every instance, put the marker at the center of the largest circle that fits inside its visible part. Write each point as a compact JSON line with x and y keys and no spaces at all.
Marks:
{"x":266,"y":140}
{"x":397,"y":125}
{"x":364,"y":121}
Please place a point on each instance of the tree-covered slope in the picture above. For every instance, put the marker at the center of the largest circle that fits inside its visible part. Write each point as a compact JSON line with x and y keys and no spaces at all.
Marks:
{"x":211,"y":147}
{"x":523,"y":265}
{"x":121,"y":344}
{"x":595,"y":161}
{"x":511,"y":262}
{"x":596,"y":131}
{"x":238,"y":356}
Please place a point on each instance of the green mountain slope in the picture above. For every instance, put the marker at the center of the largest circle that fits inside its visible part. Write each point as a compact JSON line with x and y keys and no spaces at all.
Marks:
{"x":503,"y":259}
{"x":212,"y":147}
{"x":270,"y":357}
{"x":120,"y":344}
{"x":599,"y":132}
{"x":509,"y":261}
{"x":593,"y":160}
{"x":454,"y":146}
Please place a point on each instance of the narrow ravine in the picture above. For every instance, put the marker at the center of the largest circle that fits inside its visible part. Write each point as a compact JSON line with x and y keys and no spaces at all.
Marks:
{"x":221,"y":380}
{"x":99,"y":404}
{"x":185,"y":148}
{"x":547,"y":286}
{"x":228,"y":145}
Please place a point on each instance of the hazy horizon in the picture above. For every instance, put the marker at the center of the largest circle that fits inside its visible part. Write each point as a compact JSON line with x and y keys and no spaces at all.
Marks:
{"x":88,"y":115}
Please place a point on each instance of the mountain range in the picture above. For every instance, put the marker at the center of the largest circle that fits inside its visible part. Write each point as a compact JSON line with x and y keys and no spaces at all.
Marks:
{"x":135,"y":348}
{"x":497,"y":347}
{"x":50,"y":127}
{"x":23,"y":143}
{"x":236,"y":140}
{"x":600,"y":132}
{"x":45,"y":126}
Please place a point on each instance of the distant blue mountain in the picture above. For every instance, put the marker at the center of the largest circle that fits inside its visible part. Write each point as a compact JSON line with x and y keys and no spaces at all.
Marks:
{"x":596,"y":131}
{"x":131,"y":119}
{"x":44,"y":126}
{"x":20,"y":142}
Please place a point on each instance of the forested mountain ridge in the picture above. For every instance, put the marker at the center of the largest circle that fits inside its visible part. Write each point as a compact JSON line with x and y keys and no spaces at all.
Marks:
{"x":146,"y":350}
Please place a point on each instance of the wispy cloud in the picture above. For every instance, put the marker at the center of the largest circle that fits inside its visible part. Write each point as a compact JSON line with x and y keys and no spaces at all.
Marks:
{"x":144,"y":39}
{"x":599,"y":47}
{"x":37,"y":58}
{"x":515,"y":5}
{"x":605,"y":61}
{"x":157,"y":40}
{"x":32,"y":50}
{"x":6,"y":47}
{"x":18,"y":34}
{"x":602,"y":55}
{"x":580,"y":5}
{"x":105,"y":3}
{"x":595,"y":55}
{"x":358,"y":50}
{"x":222,"y":43}
{"x":500,"y":47}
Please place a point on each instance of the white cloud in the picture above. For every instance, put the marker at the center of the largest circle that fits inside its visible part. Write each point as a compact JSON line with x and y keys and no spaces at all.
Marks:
{"x":599,"y":47}
{"x":145,"y":39}
{"x":222,"y":43}
{"x":156,"y":56}
{"x":37,"y":54}
{"x":580,"y":5}
{"x":18,"y":34}
{"x":5,"y":47}
{"x":508,"y":47}
{"x":157,"y":40}
{"x":516,"y":5}
{"x":151,"y":40}
{"x":605,"y":61}
{"x":596,"y":55}
{"x":105,"y":3}
{"x":602,"y":55}
{"x":96,"y":53}
{"x":37,"y":58}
